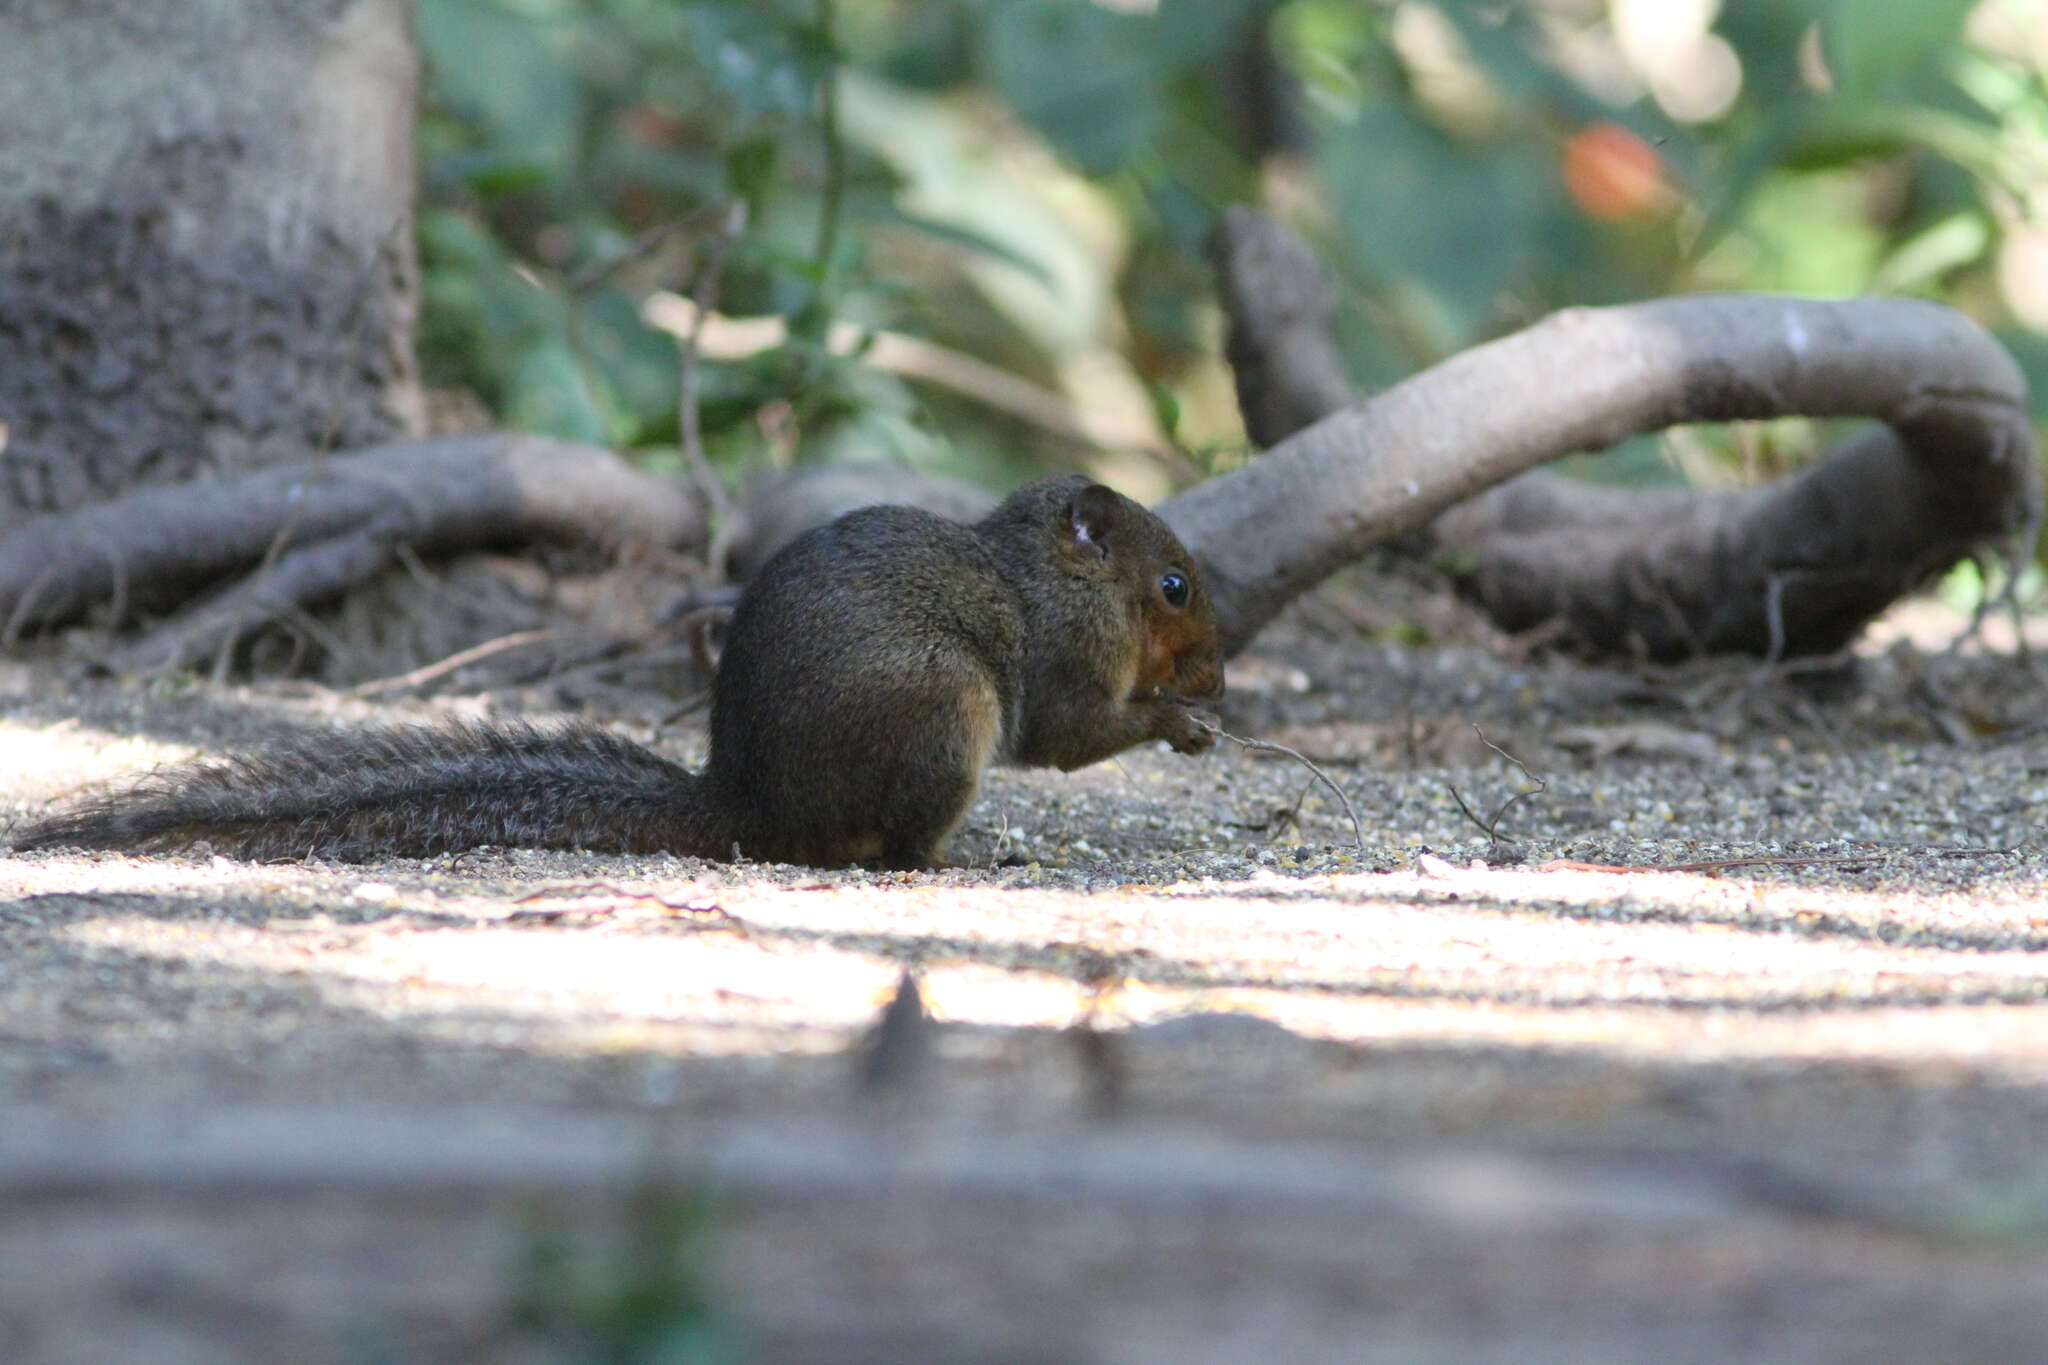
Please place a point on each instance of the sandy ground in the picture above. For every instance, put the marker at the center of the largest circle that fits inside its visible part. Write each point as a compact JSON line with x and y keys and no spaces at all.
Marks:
{"x":1202,"y":1078}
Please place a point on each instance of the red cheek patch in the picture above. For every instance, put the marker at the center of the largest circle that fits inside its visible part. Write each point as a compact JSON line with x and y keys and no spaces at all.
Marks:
{"x":1166,"y":641}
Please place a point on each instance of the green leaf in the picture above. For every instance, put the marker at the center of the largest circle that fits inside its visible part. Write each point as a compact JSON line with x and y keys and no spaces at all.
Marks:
{"x":490,"y":173}
{"x":1443,"y":222}
{"x":1638,"y":462}
{"x":1095,"y":80}
{"x":1083,"y":75}
{"x":482,"y":312}
{"x":750,"y":170}
{"x":1766,"y":36}
{"x":508,"y":72}
{"x":549,"y":394}
{"x":1925,"y":257}
{"x":1847,"y":131}
{"x":1803,"y":234}
{"x":635,"y":366}
{"x":2030,"y":349}
{"x":1508,"y":47}
{"x":939,"y":155}
{"x":1870,"y":43}
{"x":764,"y":66}
{"x":961,"y":235}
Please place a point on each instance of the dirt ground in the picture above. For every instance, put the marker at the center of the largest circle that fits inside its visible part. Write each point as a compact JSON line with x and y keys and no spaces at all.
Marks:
{"x":1201,"y":1077}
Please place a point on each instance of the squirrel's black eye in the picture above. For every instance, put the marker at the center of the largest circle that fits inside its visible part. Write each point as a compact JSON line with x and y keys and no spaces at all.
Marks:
{"x":1175,"y":589}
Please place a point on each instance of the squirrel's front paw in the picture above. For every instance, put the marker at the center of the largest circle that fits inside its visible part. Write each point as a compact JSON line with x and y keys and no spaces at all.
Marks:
{"x":1185,"y":730}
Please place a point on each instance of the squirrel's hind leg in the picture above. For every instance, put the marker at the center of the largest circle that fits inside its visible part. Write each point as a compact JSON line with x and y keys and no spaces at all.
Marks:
{"x":941,"y":778}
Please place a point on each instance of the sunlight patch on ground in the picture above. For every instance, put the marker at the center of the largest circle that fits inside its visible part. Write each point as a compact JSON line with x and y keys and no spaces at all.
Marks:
{"x":1012,"y":999}
{"x":45,"y":762}
{"x":113,"y":874}
{"x":584,"y":986}
{"x":1683,"y":968}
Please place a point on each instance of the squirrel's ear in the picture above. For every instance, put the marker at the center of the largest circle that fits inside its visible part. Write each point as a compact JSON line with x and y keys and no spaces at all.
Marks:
{"x":1091,"y":516}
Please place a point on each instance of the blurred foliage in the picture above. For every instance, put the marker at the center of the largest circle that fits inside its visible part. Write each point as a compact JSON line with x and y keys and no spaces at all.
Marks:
{"x":1029,"y":183}
{"x":645,"y":1296}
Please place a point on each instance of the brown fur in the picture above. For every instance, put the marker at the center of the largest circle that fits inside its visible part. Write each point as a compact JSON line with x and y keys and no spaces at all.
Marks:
{"x":873,"y":670}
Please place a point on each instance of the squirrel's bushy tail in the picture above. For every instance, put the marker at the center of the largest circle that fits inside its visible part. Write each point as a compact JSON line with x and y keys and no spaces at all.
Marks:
{"x":411,"y":792}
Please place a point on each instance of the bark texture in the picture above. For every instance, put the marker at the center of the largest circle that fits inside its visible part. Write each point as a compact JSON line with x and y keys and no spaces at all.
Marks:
{"x":291,"y":537}
{"x":1796,"y":568}
{"x":206,"y":248}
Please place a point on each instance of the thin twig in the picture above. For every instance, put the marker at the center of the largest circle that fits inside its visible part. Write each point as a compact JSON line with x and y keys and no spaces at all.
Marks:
{"x":117,"y":603}
{"x":280,"y":544}
{"x":1281,"y":817}
{"x":675,"y":714}
{"x":1980,"y":612}
{"x":1527,"y":776}
{"x":17,"y":620}
{"x":1761,"y":860}
{"x":459,"y":659}
{"x":1926,"y":697}
{"x":697,"y":630}
{"x":595,"y":274}
{"x":995,"y":856}
{"x":690,"y":436}
{"x":1645,"y":587}
{"x":699,"y":907}
{"x":835,"y":150}
{"x":294,"y":617}
{"x":725,"y":222}
{"x":1774,"y":616}
{"x":1491,"y":828}
{"x":2012,"y":556}
{"x":1268,"y":746}
{"x":926,"y":362}
{"x":1713,"y":864}
{"x":1467,"y":811}
{"x":2019,"y":556}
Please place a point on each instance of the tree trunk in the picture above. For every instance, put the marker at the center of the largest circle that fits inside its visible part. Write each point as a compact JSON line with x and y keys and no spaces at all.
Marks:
{"x":207,"y":289}
{"x":206,"y":248}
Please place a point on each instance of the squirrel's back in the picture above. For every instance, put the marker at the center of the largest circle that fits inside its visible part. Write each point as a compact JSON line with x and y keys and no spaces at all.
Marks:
{"x":854,"y":725}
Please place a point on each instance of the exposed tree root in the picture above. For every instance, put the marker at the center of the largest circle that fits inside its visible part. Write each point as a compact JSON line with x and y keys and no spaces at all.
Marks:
{"x":263,"y":547}
{"x":1796,"y":568}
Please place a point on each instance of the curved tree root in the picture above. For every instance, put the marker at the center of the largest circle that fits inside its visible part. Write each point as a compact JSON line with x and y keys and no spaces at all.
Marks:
{"x":270,"y":544}
{"x":1796,"y":568}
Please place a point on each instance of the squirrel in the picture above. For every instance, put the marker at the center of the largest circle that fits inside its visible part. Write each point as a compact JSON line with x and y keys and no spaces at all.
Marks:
{"x":872,"y":671}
